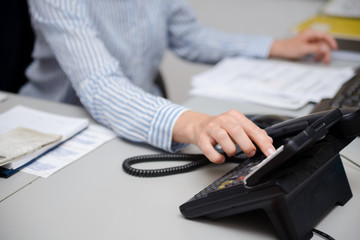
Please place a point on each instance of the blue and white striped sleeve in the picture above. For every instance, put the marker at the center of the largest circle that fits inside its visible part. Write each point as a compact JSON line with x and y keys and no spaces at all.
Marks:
{"x":192,"y":41}
{"x":98,"y":79}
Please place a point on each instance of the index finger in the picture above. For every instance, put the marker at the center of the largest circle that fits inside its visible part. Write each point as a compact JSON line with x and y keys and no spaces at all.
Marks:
{"x":261,"y":139}
{"x":253,"y":133}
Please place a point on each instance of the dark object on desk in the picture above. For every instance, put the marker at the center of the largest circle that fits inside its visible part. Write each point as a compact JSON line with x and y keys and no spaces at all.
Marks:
{"x":294,"y":145}
{"x":294,"y":202}
{"x":16,"y":42}
{"x":295,"y":195}
{"x":347,"y":96}
{"x":267,"y":120}
{"x":351,"y":45}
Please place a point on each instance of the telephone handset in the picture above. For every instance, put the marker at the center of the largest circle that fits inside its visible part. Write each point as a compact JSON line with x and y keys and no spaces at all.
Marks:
{"x":347,"y":127}
{"x":312,"y":133}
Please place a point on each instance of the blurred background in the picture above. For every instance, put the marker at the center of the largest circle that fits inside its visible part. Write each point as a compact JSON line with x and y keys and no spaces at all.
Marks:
{"x":235,"y":16}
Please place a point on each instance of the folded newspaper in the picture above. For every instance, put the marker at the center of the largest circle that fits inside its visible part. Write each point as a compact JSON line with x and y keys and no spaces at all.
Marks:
{"x":20,"y":142}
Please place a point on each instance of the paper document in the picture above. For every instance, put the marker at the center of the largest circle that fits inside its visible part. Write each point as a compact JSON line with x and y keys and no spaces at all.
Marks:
{"x":69,"y":151}
{"x":274,"y":83}
{"x":20,"y":142}
{"x":48,"y":123}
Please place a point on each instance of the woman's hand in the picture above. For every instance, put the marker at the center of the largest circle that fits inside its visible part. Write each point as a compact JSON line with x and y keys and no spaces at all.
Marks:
{"x":305,"y":43}
{"x":227,"y":130}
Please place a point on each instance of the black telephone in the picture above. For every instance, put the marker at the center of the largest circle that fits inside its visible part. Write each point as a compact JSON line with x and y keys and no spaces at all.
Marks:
{"x":295,"y":186}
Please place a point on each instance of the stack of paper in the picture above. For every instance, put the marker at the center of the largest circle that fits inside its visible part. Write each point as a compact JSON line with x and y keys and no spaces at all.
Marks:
{"x":34,"y":132}
{"x":270,"y":82}
{"x":20,"y":142}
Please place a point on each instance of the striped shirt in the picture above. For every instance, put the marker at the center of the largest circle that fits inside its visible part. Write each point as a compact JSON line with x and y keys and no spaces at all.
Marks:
{"x":105,"y":54}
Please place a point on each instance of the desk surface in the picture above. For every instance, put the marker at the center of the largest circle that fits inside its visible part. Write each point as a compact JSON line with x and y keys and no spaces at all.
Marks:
{"x":93,"y":198}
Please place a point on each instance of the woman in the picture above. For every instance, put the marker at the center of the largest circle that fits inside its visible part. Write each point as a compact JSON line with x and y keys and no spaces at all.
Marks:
{"x":105,"y":55}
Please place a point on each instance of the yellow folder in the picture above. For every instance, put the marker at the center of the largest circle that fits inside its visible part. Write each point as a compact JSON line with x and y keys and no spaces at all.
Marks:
{"x":348,"y":28}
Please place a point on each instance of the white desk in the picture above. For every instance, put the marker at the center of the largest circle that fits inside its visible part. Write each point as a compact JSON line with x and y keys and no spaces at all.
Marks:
{"x":94,"y":199}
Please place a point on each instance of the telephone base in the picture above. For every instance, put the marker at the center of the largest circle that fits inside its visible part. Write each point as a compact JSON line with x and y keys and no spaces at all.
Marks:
{"x":295,"y":197}
{"x":295,"y":214}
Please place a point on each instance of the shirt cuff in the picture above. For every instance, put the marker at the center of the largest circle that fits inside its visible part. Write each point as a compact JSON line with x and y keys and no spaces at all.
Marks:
{"x":259,"y":47}
{"x":160,"y":132}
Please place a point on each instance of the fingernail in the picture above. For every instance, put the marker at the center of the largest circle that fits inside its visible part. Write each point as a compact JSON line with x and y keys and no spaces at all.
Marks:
{"x":270,"y":151}
{"x":221,"y":160}
{"x":252,"y":154}
{"x":218,"y":158}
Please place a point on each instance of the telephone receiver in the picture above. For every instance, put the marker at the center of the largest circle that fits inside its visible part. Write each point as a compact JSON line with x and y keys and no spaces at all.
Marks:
{"x":347,"y":127}
{"x":293,"y":134}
